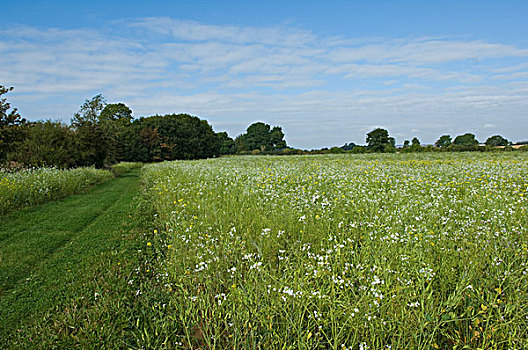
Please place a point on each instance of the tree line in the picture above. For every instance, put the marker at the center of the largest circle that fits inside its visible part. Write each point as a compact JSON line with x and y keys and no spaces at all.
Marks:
{"x":103,"y":134}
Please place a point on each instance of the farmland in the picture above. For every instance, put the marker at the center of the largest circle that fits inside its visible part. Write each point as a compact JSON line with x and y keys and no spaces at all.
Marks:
{"x":368,"y":251}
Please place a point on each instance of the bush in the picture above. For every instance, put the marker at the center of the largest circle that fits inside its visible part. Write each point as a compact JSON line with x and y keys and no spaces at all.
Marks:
{"x":124,"y":167}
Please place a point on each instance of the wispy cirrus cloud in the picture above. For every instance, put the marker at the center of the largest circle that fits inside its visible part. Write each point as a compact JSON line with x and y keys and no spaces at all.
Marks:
{"x":323,"y":90}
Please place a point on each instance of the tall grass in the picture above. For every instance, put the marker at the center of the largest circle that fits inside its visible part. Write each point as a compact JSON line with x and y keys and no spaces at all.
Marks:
{"x":369,"y":251}
{"x":124,"y":167}
{"x":35,"y":186}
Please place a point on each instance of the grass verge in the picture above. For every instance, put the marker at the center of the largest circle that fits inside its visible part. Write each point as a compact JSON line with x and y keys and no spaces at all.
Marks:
{"x":74,"y":273}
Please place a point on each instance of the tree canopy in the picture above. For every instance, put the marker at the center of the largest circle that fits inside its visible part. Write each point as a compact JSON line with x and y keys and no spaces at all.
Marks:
{"x":443,"y":142}
{"x":378,"y":140}
{"x":260,"y":136}
{"x":10,"y":125}
{"x":467,"y":139}
{"x":497,"y":140}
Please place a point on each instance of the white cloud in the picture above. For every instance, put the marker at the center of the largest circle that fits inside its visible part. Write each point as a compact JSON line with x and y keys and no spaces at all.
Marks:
{"x":324,"y":91}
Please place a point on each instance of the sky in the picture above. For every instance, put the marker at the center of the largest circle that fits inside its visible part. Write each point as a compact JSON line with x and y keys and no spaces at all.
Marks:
{"x":327,"y":72}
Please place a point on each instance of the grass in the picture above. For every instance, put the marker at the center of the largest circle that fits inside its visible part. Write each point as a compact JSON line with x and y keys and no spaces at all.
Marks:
{"x":425,"y":251}
{"x":71,"y":270}
{"x":124,"y":167}
{"x":370,"y":251}
{"x":31,"y":187}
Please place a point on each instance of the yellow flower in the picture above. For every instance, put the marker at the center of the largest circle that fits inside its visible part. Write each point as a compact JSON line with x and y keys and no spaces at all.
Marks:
{"x":169,"y":246}
{"x":149,"y":244}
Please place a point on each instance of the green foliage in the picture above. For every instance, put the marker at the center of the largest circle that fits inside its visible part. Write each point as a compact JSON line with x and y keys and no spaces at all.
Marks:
{"x":11,"y":123}
{"x":115,"y":120}
{"x":124,"y":167}
{"x":467,"y":139}
{"x":175,"y":136}
{"x":115,"y":112}
{"x":46,"y":144}
{"x":378,"y":140}
{"x":91,"y":141}
{"x":443,"y":142}
{"x":497,"y":140}
{"x":348,"y":146}
{"x":260,"y":136}
{"x":227,"y":144}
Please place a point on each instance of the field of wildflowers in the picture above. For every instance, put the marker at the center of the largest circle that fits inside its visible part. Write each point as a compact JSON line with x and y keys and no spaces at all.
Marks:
{"x":35,"y":186}
{"x":396,"y":251}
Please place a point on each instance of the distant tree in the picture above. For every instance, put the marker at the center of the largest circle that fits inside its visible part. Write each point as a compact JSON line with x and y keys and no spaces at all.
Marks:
{"x":336,"y":150}
{"x":91,"y":141}
{"x":46,"y":144}
{"x":115,"y":112}
{"x":262,"y":137}
{"x":348,"y":146}
{"x":90,"y":111}
{"x":415,"y":146}
{"x":227,"y":144}
{"x":175,"y":136}
{"x":467,"y":139}
{"x":359,"y":150}
{"x":277,"y":138}
{"x":406,"y":143}
{"x":114,"y":120}
{"x":443,"y":142}
{"x":378,"y":140}
{"x":11,"y":131}
{"x":497,"y":140}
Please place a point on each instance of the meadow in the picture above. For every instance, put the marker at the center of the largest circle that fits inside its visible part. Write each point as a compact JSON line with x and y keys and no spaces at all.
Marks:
{"x":379,"y":251}
{"x":30,"y":187}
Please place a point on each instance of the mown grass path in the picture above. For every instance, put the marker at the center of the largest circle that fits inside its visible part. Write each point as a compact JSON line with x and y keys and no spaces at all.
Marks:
{"x":56,"y":256}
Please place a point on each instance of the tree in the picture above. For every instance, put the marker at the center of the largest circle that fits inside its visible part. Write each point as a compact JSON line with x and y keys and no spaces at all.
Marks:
{"x":378,"y":140}
{"x":172,"y":136}
{"x":415,"y":142}
{"x":46,"y":144}
{"x":406,"y":143}
{"x":90,"y":110}
{"x":91,"y":143}
{"x":348,"y":146}
{"x":497,"y":140}
{"x":114,"y":120}
{"x":467,"y":139}
{"x":260,"y":136}
{"x":443,"y":142}
{"x":227,"y":144}
{"x":115,"y":112}
{"x":11,"y":123}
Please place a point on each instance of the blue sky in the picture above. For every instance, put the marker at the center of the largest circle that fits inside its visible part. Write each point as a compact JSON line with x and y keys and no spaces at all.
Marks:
{"x":328,"y":72}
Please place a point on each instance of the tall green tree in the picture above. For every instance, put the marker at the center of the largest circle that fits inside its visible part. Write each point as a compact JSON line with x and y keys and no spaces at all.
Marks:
{"x":91,"y":142}
{"x":378,"y":140}
{"x":227,"y":144}
{"x":114,"y":120}
{"x":46,"y":144}
{"x":11,"y":131}
{"x":497,"y":140}
{"x":467,"y":139}
{"x":443,"y":142}
{"x":260,"y":136}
